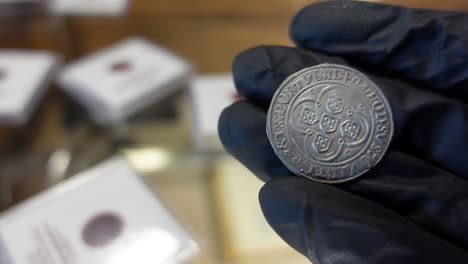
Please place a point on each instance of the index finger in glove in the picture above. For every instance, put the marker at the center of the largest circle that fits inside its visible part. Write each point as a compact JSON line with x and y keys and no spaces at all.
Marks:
{"x":424,"y":45}
{"x":427,"y":125}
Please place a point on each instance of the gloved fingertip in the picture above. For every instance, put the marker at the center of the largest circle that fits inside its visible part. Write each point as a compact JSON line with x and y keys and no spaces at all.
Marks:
{"x":282,"y":199}
{"x":255,"y":75}
{"x":242,"y":130}
{"x":343,"y":27}
{"x":259,"y":71}
{"x":319,"y":18}
{"x":284,"y":202}
{"x":248,"y":61}
{"x":224,"y":126}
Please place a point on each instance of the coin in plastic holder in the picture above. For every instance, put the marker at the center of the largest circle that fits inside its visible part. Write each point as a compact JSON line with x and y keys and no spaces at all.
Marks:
{"x":3,"y":74}
{"x":329,"y":123}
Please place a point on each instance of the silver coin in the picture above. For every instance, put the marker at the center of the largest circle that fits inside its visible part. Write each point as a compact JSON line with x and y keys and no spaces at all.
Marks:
{"x":329,"y":123}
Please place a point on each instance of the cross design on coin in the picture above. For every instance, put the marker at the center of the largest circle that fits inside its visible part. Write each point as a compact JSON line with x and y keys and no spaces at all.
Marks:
{"x":328,"y":131}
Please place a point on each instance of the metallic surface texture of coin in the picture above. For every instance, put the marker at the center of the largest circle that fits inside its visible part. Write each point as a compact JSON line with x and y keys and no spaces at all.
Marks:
{"x":329,"y":123}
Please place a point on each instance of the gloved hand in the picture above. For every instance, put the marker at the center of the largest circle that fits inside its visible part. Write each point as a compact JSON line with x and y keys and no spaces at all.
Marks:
{"x":413,"y":206}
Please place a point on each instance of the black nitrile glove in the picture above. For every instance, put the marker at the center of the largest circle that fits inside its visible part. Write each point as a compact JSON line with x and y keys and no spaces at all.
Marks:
{"x":412,"y":208}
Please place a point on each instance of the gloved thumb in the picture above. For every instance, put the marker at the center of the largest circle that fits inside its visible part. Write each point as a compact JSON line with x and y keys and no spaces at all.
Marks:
{"x":330,"y":225}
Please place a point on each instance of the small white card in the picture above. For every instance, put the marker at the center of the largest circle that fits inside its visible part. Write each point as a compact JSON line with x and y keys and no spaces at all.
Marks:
{"x":105,"y":215}
{"x":89,"y":7}
{"x":24,"y":78}
{"x":117,"y":82}
{"x":210,"y":94}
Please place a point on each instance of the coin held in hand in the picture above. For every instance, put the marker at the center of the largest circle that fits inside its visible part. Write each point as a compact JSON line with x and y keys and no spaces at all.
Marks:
{"x":329,"y":123}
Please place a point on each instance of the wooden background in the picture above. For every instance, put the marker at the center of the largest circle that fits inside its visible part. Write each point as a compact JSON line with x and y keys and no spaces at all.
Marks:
{"x":207,"y":32}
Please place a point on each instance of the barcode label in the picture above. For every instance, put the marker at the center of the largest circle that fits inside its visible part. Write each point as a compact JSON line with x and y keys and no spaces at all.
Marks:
{"x":4,"y":254}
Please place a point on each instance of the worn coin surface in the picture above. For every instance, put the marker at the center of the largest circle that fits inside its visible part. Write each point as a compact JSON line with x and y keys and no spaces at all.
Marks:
{"x":329,"y":123}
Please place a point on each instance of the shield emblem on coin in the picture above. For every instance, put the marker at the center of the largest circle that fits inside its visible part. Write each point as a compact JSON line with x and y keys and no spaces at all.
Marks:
{"x":322,"y":143}
{"x":350,"y":129}
{"x":308,"y":116}
{"x":328,"y":123}
{"x":335,"y":104}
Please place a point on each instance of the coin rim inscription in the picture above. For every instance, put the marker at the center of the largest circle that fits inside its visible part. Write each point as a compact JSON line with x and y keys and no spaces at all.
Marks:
{"x":293,"y":77}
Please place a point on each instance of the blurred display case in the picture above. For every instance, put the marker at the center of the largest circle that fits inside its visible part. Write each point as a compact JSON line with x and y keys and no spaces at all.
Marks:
{"x":210,"y":192}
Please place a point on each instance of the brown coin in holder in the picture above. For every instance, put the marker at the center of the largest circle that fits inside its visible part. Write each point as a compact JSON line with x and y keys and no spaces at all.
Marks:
{"x":3,"y":74}
{"x":102,"y":230}
{"x":121,"y":67}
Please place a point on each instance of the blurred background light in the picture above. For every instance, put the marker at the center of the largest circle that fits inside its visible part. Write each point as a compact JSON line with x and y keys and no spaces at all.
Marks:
{"x":148,"y":160}
{"x":154,"y":246}
{"x":57,"y":165}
